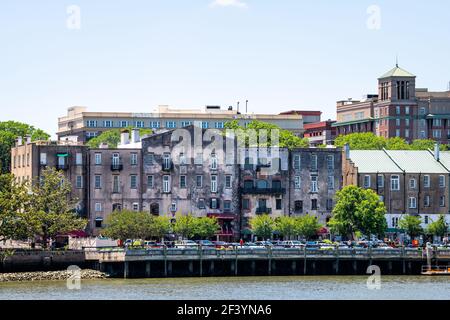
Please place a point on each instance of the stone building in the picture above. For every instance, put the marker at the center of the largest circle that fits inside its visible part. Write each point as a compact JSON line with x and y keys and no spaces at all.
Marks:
{"x":29,"y":159}
{"x":408,"y":182}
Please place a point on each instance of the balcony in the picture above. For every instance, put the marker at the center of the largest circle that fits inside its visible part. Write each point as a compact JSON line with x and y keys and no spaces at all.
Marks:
{"x":167,"y":167}
{"x":263,"y":210}
{"x":254,"y":190}
{"x":116,"y":166}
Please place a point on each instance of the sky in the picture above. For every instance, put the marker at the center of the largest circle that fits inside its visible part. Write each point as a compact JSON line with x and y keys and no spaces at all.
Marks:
{"x":280,"y":55}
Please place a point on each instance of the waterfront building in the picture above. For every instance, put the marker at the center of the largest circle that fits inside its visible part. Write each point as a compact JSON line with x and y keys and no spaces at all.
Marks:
{"x":29,"y":159}
{"x":82,"y":125}
{"x":398,"y":110}
{"x":320,"y":133}
{"x":408,"y":182}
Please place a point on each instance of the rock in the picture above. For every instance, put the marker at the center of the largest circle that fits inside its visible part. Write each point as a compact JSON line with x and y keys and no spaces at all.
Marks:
{"x":50,"y":275}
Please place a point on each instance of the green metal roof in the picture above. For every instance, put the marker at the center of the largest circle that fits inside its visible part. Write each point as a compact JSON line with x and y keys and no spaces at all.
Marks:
{"x":438,"y":116}
{"x":397,"y":72}
{"x":416,"y":161}
{"x":339,"y":124}
{"x":373,"y":161}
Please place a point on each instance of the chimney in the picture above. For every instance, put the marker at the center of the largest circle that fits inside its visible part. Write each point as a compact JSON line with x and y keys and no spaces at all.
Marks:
{"x":28,"y":139}
{"x":124,"y":137}
{"x":104,"y":145}
{"x":135,"y":135}
{"x":347,"y":151}
{"x":19,"y":141}
{"x":437,"y":151}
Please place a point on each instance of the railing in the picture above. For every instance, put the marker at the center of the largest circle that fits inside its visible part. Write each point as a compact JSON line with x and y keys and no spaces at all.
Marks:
{"x":116,"y":166}
{"x":263,"y":210}
{"x":255,"y":190}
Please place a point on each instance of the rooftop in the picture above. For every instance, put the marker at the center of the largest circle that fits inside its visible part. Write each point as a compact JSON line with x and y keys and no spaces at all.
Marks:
{"x":397,"y":72}
{"x":373,"y":161}
{"x":416,"y":161}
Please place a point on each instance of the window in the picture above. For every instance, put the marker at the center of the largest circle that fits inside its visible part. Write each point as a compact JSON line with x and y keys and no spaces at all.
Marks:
{"x":171,"y":124}
{"x":166,"y":161}
{"x":98,"y":207}
{"x":213,"y":162}
{"x":199,"y":181}
{"x":366,"y":182}
{"x":313,"y":204}
{"x":422,"y":111}
{"x":330,"y":182}
{"x":441,"y":181}
{"x":395,"y":183}
{"x":407,"y":123}
{"x":214,"y":204}
{"x":150,"y":159}
{"x":313,"y":162}
{"x":406,"y":133}
{"x":134,"y":159}
{"x":412,"y":202}
{"x":139,"y":124}
{"x":314,"y":187}
{"x":407,"y":111}
{"x":98,"y":181}
{"x":380,"y":181}
{"x":330,"y":162}
{"x":201,"y":204}
{"x":426,"y":181}
{"x":412,"y":183}
{"x":394,"y":222}
{"x":166,"y":184}
{"x":427,"y":220}
{"x":135,"y":206}
{"x":278,"y":204}
{"x":98,"y":159}
{"x":298,"y":206}
{"x":186,"y":123}
{"x":437,"y":122}
{"x":426,"y":201}
{"x":227,"y":206}
{"x":329,"y":204}
{"x":228,"y":182}
{"x":182,"y":158}
{"x":133,"y":181}
{"x":213,"y":183}
{"x":123,"y":124}
{"x":115,"y":159}
{"x":442,"y":201}
{"x":91,"y":123}
{"x":437,"y":134}
{"x":298,"y":183}
{"x":173,"y":206}
{"x":79,"y":182}
{"x":116,"y":184}
{"x":108,"y":124}
{"x":397,"y":110}
{"x":79,"y":159}
{"x":43,"y":159}
{"x":205,"y":125}
{"x":245,"y":204}
{"x":397,"y":132}
{"x":219,"y":125}
{"x":422,"y":135}
{"x":98,"y":222}
{"x":397,"y":122}
{"x":297,"y":162}
{"x":155,"y":124}
{"x":149,"y":182}
{"x":183,"y":182}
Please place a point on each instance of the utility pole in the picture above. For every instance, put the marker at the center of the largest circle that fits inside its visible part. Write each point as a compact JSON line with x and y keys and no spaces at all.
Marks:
{"x":246,"y":103}
{"x":238,"y":106}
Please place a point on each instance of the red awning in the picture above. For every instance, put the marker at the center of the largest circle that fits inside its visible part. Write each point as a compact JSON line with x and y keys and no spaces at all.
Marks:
{"x":77,"y":234}
{"x":323,"y":230}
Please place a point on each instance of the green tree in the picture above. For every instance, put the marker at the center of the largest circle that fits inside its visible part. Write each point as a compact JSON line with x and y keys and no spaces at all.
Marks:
{"x":358,"y":209}
{"x":128,"y":224}
{"x":361,"y":141}
{"x":112,"y":137}
{"x":286,"y":138}
{"x":206,"y":227}
{"x":262,"y":226}
{"x":185,"y":226}
{"x":397,"y":143}
{"x":160,"y":226}
{"x":285,"y":226}
{"x":438,"y":228}
{"x":412,"y":225}
{"x":426,"y":144}
{"x":14,"y":199}
{"x":307,"y":226}
{"x":9,"y":131}
{"x":51,"y":210}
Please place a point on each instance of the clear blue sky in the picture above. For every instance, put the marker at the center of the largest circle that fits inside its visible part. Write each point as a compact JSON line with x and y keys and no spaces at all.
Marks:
{"x":279,"y":54}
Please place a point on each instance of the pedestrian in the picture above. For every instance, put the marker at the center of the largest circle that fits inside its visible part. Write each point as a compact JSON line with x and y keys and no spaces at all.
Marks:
{"x":241,"y":242}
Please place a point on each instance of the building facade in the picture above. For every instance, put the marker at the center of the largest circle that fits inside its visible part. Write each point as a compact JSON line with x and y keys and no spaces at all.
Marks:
{"x":408,"y":182}
{"x":320,"y":133}
{"x":398,"y":110}
{"x":81,"y":125}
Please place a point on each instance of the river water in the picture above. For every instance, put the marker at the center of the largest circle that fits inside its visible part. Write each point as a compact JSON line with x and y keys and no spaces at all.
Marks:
{"x":258,"y":288}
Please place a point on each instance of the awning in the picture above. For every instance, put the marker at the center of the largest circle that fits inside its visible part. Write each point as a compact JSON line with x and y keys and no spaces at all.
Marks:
{"x":63,"y":155}
{"x":247,"y":231}
{"x":99,"y":219}
{"x":394,"y":230}
{"x":323,"y":230}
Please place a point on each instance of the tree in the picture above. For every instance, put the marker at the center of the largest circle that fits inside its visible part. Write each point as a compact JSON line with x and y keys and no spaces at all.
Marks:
{"x":412,"y":225}
{"x":9,"y":131}
{"x":160,"y":226}
{"x":262,"y":226}
{"x":397,"y":143}
{"x":286,"y":138}
{"x":426,"y":144}
{"x":185,"y":226}
{"x":361,"y":141}
{"x":358,"y":209}
{"x":307,"y":226}
{"x":206,"y":227}
{"x":285,"y":226}
{"x":438,"y":228}
{"x":111,"y":137}
{"x":14,"y":199}
{"x":51,"y":210}
{"x":128,"y":224}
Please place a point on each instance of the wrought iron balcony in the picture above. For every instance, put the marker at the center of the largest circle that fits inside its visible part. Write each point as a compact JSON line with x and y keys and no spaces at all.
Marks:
{"x":116,"y":166}
{"x":254,"y":190}
{"x":263,"y":210}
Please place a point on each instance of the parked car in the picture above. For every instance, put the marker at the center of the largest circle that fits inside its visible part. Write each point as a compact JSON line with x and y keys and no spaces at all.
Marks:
{"x":221,"y":245}
{"x":264,"y":244}
{"x":152,"y":245}
{"x":205,"y":243}
{"x":186,"y":244}
{"x":292,"y":244}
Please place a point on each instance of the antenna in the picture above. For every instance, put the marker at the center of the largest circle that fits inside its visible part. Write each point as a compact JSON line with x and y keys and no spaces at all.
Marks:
{"x":238,"y":106}
{"x":246,"y":103}
{"x":396,"y":61}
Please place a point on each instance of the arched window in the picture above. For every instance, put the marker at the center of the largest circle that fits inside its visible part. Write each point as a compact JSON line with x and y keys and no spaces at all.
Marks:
{"x":154,"y":209}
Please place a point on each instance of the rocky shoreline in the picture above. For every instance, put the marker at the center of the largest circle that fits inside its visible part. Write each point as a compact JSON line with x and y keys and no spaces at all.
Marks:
{"x":50,"y":275}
